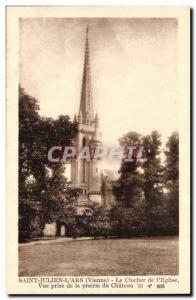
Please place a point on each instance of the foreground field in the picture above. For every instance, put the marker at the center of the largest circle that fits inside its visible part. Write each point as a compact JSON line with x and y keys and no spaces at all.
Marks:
{"x":142,"y":256}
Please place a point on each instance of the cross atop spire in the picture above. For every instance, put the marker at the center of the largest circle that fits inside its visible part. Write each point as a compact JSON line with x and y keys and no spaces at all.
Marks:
{"x":86,"y":105}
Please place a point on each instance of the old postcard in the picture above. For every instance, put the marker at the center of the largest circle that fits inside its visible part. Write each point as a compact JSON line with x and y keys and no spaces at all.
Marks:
{"x":98,"y":150}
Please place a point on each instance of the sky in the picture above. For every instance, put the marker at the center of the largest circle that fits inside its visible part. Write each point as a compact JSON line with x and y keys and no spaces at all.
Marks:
{"x":133,"y":69}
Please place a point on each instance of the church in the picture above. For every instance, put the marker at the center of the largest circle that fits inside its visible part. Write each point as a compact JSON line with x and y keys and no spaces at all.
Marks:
{"x":87,"y":174}
{"x":95,"y":183}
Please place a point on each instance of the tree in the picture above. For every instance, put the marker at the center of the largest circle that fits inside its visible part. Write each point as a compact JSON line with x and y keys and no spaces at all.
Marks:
{"x":156,"y":212}
{"x":153,"y":182}
{"x":152,"y":168}
{"x":42,"y":186}
{"x":130,"y":175}
{"x":128,"y":216}
{"x":29,"y":203}
{"x":28,"y":120}
{"x":171,"y":176}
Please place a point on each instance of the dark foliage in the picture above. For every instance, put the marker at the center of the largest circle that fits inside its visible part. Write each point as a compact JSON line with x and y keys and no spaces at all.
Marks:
{"x":44,"y":195}
{"x":148,"y":193}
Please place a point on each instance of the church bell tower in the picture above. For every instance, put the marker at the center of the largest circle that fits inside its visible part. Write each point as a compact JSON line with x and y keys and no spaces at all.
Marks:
{"x":86,"y":174}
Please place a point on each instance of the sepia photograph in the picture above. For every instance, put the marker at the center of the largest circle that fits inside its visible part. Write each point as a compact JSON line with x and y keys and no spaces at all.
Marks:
{"x":98,"y":150}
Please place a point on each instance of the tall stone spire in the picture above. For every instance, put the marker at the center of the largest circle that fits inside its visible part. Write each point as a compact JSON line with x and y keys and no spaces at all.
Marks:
{"x":86,"y":105}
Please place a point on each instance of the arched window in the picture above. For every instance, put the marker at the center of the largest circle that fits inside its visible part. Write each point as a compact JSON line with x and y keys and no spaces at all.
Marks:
{"x":83,"y":162}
